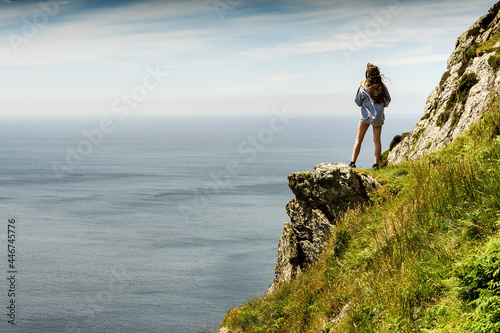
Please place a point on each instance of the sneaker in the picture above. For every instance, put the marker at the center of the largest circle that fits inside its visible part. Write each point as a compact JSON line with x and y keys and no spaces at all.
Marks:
{"x":375,"y":167}
{"x":352,"y":165}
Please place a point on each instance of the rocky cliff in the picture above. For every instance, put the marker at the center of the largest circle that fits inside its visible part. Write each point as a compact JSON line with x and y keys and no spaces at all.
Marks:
{"x":464,"y":93}
{"x":320,"y":199}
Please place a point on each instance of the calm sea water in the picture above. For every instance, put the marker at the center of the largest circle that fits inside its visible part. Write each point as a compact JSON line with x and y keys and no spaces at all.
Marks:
{"x":162,"y":223}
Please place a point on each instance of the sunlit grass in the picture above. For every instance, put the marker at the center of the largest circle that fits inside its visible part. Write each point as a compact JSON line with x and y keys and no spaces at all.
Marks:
{"x":392,"y":265}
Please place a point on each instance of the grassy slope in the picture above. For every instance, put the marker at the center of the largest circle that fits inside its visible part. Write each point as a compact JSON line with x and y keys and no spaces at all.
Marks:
{"x":411,"y":261}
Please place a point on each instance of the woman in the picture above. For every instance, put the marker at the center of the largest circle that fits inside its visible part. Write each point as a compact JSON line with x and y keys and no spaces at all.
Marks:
{"x":373,"y":97}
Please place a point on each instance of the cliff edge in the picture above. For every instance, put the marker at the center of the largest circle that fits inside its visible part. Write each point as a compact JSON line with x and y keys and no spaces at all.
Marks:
{"x":408,"y":266}
{"x":465,"y":92}
{"x":321,"y":197}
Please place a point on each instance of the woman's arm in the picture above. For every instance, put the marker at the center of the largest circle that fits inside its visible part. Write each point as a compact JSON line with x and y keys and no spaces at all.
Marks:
{"x":359,"y":96}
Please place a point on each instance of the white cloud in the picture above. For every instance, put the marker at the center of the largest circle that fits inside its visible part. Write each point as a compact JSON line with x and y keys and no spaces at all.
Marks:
{"x":212,"y":54}
{"x":280,"y":78}
{"x":263,"y":85}
{"x":340,"y":28}
{"x":416,"y":60}
{"x":132,"y":32}
{"x":13,"y":13}
{"x":68,"y":45}
{"x":287,"y":49}
{"x":149,"y":29}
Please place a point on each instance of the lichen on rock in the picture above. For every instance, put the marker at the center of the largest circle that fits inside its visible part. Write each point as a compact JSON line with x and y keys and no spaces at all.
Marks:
{"x":463,"y":94}
{"x":287,"y":264}
{"x":321,"y":197}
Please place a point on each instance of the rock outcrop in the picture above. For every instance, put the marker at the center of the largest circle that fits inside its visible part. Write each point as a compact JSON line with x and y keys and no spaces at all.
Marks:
{"x":464,"y":93}
{"x":321,"y":197}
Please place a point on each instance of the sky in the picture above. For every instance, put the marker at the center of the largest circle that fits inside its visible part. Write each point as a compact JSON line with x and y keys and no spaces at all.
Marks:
{"x":221,"y":56}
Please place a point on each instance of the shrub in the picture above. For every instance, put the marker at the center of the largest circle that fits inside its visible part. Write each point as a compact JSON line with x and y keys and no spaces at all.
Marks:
{"x":427,"y":115}
{"x":473,"y":32}
{"x":397,"y":139}
{"x":383,"y":158}
{"x":418,"y":135}
{"x":480,"y":275}
{"x":452,"y":101}
{"x":443,"y":117}
{"x":456,"y":116}
{"x":494,"y":63}
{"x":462,"y":68}
{"x":460,"y":95}
{"x":469,"y":54}
{"x":466,"y":83}
{"x":444,"y":77}
{"x":480,"y":285}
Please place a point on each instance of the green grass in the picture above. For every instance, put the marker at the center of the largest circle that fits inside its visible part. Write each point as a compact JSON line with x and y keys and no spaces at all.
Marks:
{"x":444,"y":116}
{"x":444,"y":77}
{"x":476,"y":50}
{"x":489,"y":46}
{"x":494,"y":63}
{"x":395,"y":141}
{"x":469,"y":54}
{"x":423,"y":257}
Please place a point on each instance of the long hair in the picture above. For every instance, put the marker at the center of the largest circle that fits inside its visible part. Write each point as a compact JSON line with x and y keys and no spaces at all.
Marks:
{"x":375,"y":86}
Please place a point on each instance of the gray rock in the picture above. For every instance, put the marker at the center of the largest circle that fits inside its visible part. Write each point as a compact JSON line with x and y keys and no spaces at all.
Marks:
{"x":287,"y":264}
{"x":320,"y":199}
{"x":332,"y":187}
{"x":442,"y":123}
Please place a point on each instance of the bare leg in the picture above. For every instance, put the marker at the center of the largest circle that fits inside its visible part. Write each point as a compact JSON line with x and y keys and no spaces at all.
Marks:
{"x":377,"y":131}
{"x":362,"y":128}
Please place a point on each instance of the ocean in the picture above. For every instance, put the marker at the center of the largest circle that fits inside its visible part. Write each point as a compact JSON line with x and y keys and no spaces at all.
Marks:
{"x":153,"y":223}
